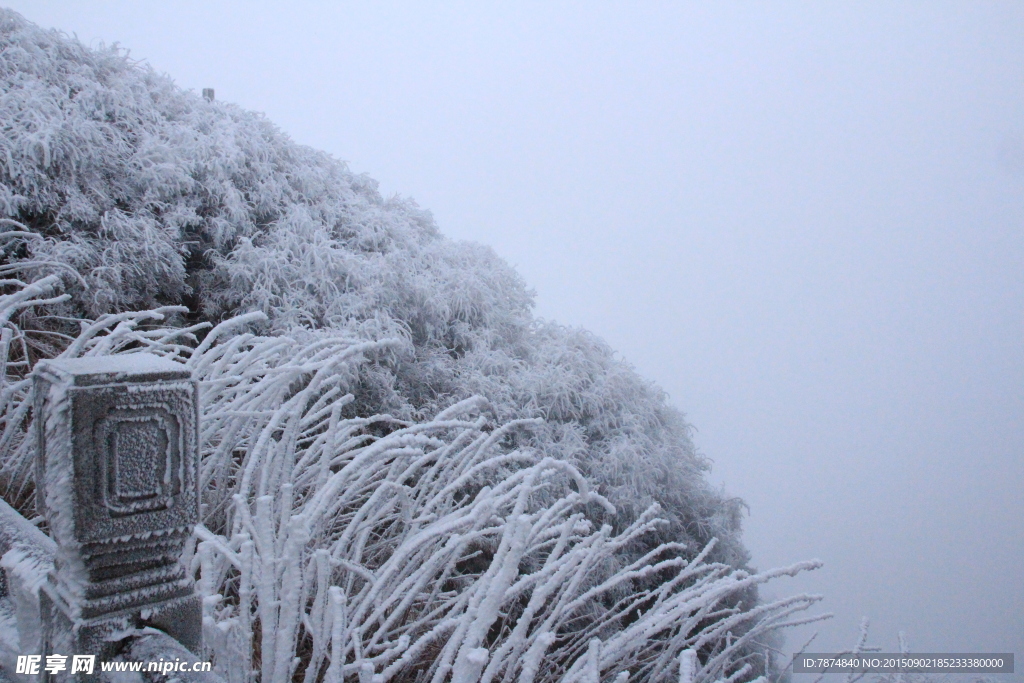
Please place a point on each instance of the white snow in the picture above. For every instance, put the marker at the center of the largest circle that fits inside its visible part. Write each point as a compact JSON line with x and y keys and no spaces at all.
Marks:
{"x":125,"y":365}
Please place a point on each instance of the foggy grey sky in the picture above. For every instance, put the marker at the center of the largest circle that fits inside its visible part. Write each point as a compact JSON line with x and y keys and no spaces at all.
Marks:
{"x":804,"y":221}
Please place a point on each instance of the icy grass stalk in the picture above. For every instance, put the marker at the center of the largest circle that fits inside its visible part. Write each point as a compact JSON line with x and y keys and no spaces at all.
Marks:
{"x":367,"y":548}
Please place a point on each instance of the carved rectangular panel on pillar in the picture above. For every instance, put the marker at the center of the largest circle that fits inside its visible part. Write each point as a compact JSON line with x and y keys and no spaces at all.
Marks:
{"x":117,"y":480}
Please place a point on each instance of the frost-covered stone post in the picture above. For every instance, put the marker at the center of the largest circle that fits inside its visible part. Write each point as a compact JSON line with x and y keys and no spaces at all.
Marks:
{"x":117,"y":475}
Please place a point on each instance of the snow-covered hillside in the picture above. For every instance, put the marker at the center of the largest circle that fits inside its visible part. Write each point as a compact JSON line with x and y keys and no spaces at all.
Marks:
{"x":397,"y":383}
{"x":153,"y":196}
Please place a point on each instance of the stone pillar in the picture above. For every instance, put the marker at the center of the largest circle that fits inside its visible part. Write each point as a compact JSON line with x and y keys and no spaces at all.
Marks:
{"x":117,"y":480}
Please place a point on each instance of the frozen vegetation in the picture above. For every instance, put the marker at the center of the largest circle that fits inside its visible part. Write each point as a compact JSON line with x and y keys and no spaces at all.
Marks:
{"x":406,"y":476}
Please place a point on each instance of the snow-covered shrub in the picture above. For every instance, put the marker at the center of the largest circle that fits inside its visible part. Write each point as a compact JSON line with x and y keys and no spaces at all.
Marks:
{"x":147,"y":195}
{"x":375,"y":549}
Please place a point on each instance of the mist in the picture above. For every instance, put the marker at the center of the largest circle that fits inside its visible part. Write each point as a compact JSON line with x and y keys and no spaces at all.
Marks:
{"x":805,"y":222}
